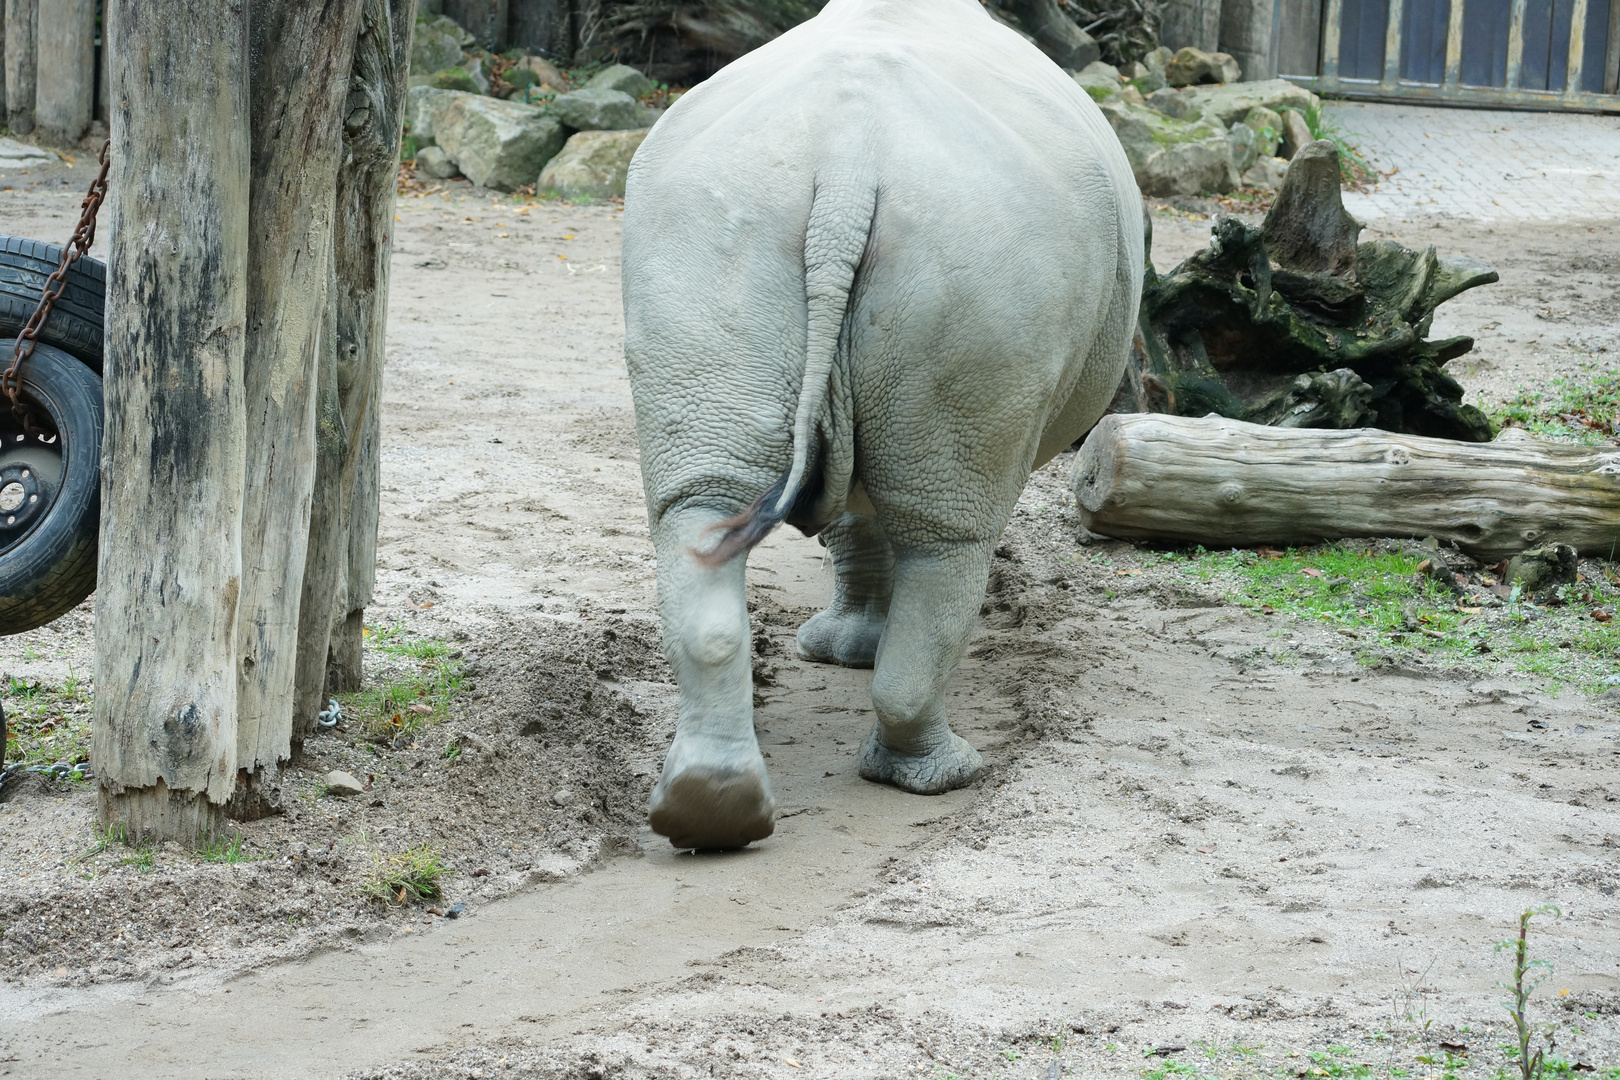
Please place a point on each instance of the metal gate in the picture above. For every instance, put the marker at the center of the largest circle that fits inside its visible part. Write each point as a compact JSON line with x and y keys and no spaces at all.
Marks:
{"x":1540,"y":54}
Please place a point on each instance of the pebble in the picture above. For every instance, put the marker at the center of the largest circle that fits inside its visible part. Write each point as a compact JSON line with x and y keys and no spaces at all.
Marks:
{"x":562,"y":798}
{"x":341,"y":783}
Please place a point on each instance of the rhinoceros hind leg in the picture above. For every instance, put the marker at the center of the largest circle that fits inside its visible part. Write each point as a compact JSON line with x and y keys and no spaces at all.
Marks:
{"x":849,"y":630}
{"x":936,"y":599}
{"x":946,"y":767}
{"x":712,"y":796}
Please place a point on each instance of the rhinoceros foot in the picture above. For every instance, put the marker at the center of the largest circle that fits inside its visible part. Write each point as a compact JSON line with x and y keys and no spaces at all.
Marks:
{"x":951,"y":764}
{"x":846,"y":638}
{"x":712,"y":797}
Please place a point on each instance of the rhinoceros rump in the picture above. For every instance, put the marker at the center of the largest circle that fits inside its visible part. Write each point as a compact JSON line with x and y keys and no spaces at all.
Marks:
{"x":877,"y":270}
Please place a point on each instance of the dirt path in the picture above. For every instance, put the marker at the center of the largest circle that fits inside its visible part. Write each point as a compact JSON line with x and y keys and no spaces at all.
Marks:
{"x":1199,"y":824}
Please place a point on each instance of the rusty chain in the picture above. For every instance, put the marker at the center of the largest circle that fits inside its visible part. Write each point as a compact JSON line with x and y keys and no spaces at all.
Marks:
{"x":83,"y":236}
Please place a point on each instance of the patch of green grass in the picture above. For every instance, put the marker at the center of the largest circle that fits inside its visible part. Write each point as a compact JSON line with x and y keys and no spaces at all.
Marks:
{"x":1386,"y":610}
{"x":413,"y":686}
{"x":1171,"y":1067}
{"x":142,"y":857}
{"x":47,"y":722}
{"x":225,"y":849}
{"x":1353,"y":165}
{"x":412,"y":875}
{"x":1584,"y":407}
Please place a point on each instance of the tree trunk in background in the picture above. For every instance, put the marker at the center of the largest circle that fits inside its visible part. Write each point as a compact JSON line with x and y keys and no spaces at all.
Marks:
{"x":485,"y":20}
{"x":21,"y":40}
{"x":66,"y":96}
{"x":1190,"y":22}
{"x":543,"y":26}
{"x":2,"y":59}
{"x":303,"y":53}
{"x":1246,"y":35}
{"x":164,"y":746}
{"x":343,"y":532}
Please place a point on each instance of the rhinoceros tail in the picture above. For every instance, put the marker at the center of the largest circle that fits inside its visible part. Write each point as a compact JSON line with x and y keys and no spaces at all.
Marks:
{"x":835,"y":242}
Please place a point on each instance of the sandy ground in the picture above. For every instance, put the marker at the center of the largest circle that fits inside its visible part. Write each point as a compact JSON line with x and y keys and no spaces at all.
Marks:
{"x":1206,"y":841}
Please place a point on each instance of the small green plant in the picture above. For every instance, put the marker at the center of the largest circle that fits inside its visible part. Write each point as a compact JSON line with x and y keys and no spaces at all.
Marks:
{"x":1171,"y":1067}
{"x":419,"y":678}
{"x":142,"y":857}
{"x":410,"y":876}
{"x":225,"y":849}
{"x":1527,"y":975}
{"x":48,"y":723}
{"x":1582,"y":407}
{"x":1353,"y":166}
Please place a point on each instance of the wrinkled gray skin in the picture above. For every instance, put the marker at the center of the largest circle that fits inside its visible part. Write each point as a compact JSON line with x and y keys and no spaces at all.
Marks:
{"x":888,"y":263}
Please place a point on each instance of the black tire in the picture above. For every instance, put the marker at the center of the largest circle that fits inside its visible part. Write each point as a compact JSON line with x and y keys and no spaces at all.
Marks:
{"x":49,"y":566}
{"x":75,"y":325}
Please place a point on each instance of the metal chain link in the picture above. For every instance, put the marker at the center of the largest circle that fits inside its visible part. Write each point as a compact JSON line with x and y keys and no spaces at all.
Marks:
{"x":83,"y":237}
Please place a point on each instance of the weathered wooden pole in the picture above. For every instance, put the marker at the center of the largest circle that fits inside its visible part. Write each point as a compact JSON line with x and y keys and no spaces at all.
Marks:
{"x":66,"y":82}
{"x":164,"y":744}
{"x":340,"y":573}
{"x":302,"y":52}
{"x":21,"y":27}
{"x":2,"y":58}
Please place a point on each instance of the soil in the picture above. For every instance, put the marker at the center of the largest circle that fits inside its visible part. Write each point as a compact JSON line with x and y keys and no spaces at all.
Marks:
{"x":1206,"y":840}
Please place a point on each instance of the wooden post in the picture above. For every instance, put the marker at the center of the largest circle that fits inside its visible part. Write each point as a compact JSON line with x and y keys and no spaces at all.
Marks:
{"x":1226,"y":483}
{"x":1246,"y":34}
{"x":303,"y":54}
{"x":66,"y":81}
{"x":21,"y":31}
{"x":164,"y":742}
{"x":340,"y":573}
{"x":545,"y":27}
{"x":2,"y":58}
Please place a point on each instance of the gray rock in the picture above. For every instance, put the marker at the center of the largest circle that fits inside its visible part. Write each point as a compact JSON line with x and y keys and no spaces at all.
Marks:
{"x":1266,"y":173}
{"x":563,"y":798}
{"x":1233,"y":100}
{"x":433,"y":161}
{"x":342,"y":783}
{"x":648,"y":117}
{"x":444,"y":24}
{"x":1542,"y":569}
{"x":1100,"y":80}
{"x":1171,"y":103}
{"x":1194,"y":67}
{"x":1245,"y":146}
{"x":596,"y":110}
{"x":433,"y":50}
{"x":623,"y":78}
{"x":593,"y":164}
{"x":545,"y":72}
{"x":1173,"y":157}
{"x":1267,"y":126}
{"x":14,"y":154}
{"x":422,"y":104}
{"x":1296,"y":133}
{"x":497,"y":144}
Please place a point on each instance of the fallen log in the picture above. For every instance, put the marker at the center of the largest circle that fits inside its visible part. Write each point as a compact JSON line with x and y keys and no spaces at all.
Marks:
{"x":1227,"y":483}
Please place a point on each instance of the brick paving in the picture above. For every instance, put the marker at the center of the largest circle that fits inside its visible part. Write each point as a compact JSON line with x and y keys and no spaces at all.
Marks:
{"x":1484,"y":164}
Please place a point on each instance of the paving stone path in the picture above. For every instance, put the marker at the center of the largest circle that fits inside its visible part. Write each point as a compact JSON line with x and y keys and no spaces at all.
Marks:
{"x":1484,"y":164}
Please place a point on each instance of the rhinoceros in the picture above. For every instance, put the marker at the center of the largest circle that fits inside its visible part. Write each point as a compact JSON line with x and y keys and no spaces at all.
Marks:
{"x":875,"y":273}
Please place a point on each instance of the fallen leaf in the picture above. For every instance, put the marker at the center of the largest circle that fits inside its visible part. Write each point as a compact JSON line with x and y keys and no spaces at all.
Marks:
{"x":793,"y":1063}
{"x":1267,"y":609}
{"x":1311,"y":571}
{"x":1126,"y":573}
{"x":1600,"y":615}
{"x":1470,"y":610}
{"x":418,"y":707}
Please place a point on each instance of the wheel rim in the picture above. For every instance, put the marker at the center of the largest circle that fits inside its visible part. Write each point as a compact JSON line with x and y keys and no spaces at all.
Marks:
{"x":31,"y":468}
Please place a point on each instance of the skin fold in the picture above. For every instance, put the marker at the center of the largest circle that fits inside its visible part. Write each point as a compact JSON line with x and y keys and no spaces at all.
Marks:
{"x":875,"y":272}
